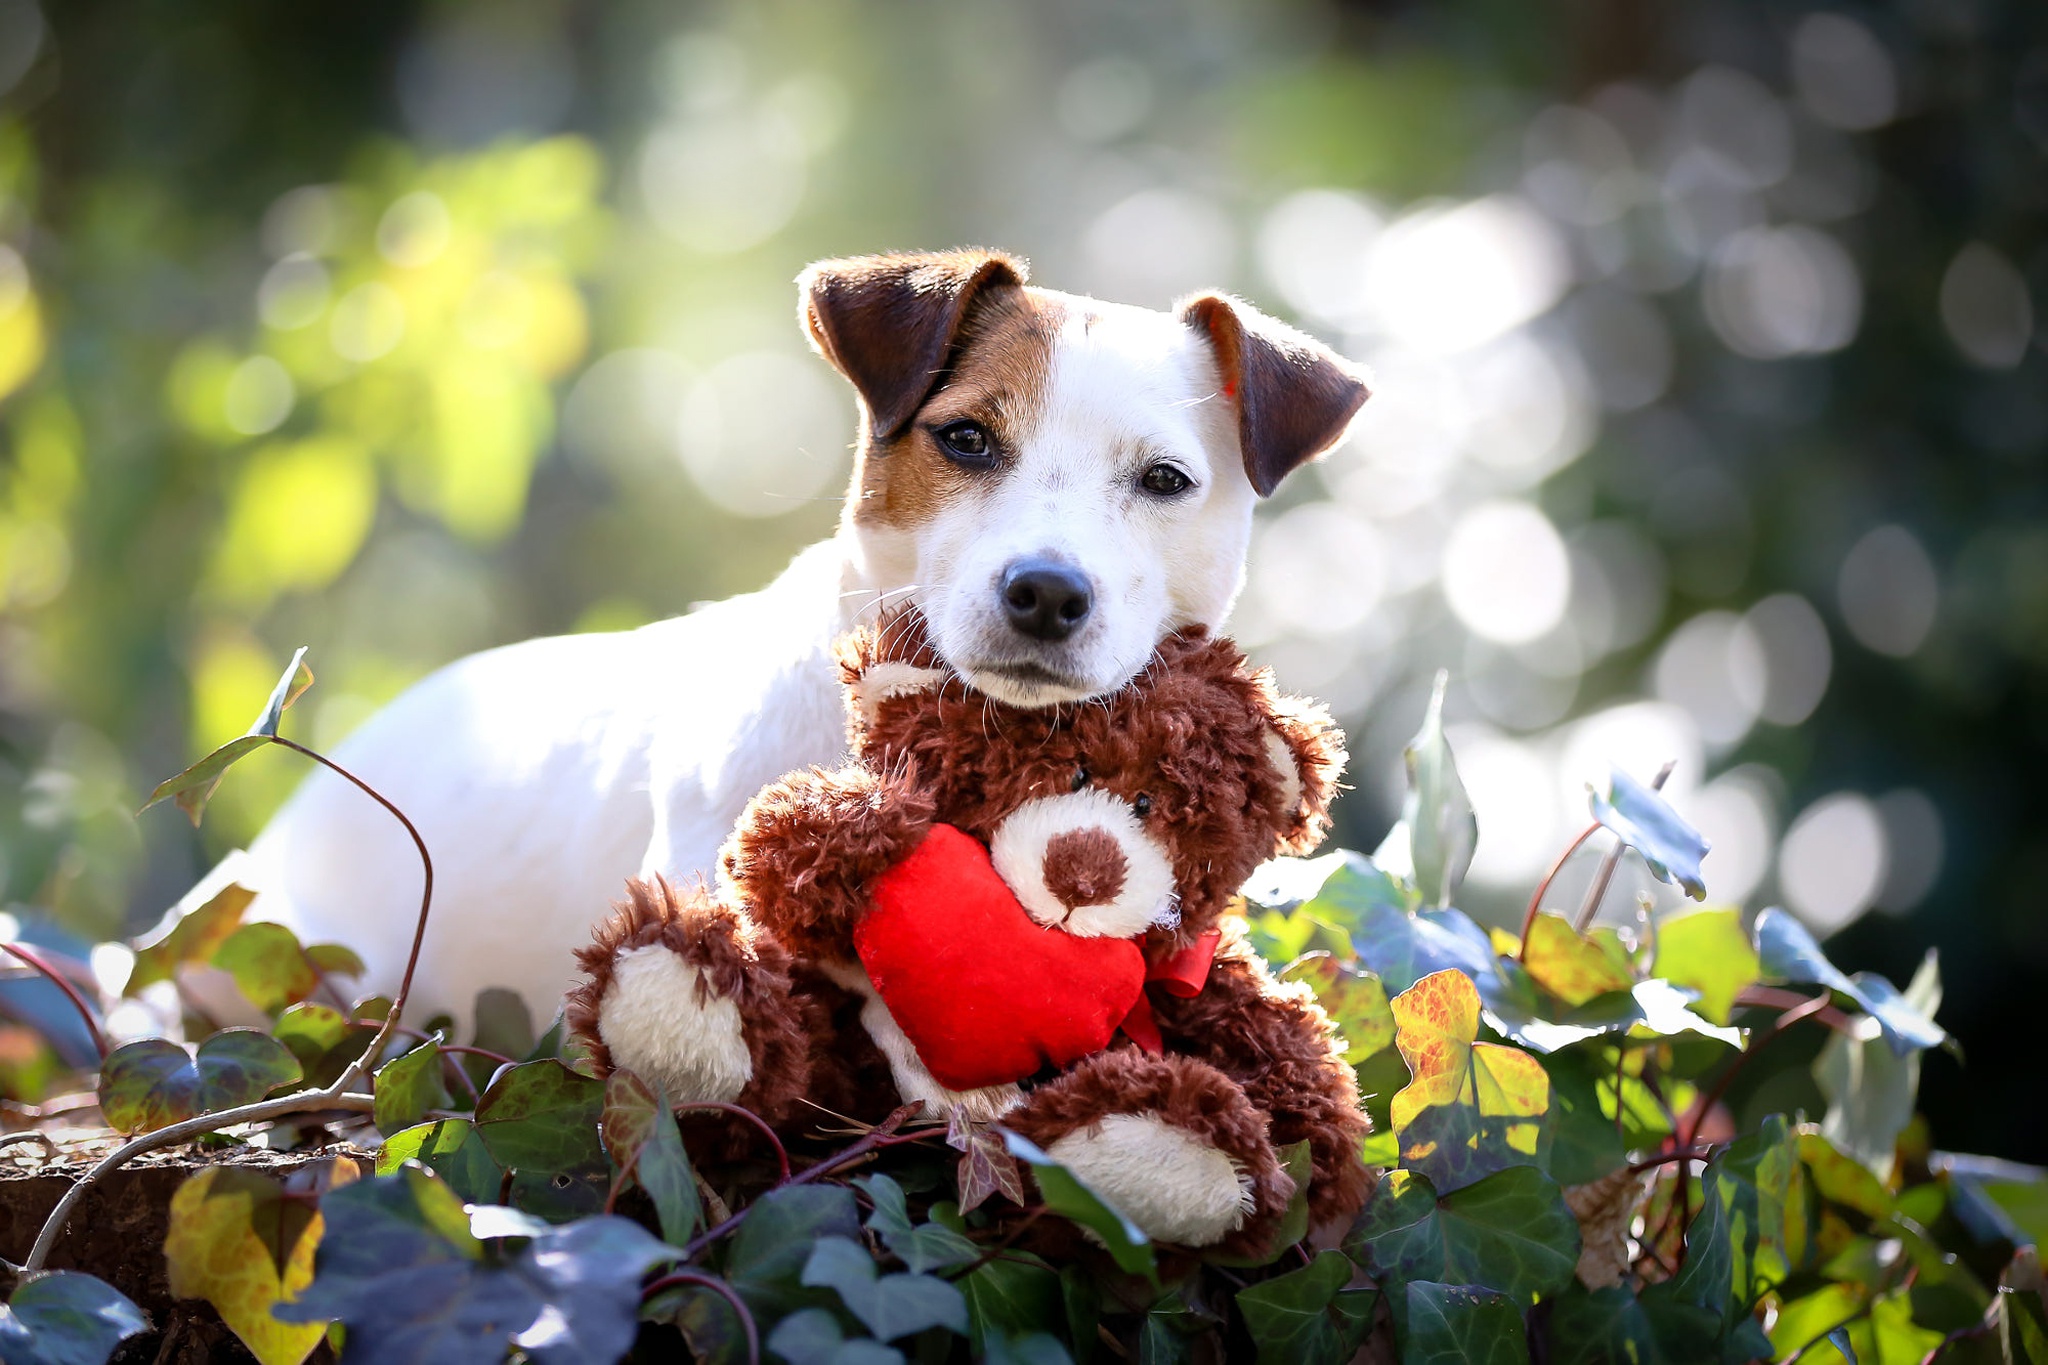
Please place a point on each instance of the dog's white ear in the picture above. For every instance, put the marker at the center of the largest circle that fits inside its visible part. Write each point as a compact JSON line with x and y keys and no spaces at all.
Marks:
{"x":1295,"y":396}
{"x":888,"y":323}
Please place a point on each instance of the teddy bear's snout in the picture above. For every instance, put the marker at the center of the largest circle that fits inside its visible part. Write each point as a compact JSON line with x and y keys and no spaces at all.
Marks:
{"x":1084,"y":867}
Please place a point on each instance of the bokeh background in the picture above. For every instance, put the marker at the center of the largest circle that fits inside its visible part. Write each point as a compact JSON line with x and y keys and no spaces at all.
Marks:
{"x":1711,"y":414}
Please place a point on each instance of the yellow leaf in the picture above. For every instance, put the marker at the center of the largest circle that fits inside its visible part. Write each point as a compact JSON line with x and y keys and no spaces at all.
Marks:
{"x":1469,"y":1108}
{"x":1568,"y":965}
{"x":1707,"y":951}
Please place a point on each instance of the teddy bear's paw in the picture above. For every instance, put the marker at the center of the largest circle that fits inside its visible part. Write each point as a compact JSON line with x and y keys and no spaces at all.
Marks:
{"x":661,"y":1019}
{"x":1175,"y":1185}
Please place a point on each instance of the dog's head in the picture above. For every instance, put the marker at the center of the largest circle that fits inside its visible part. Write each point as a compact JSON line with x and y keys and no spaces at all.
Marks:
{"x":1061,"y":482}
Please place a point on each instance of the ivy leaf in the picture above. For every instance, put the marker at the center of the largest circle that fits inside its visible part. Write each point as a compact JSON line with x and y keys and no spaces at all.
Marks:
{"x":1299,"y":1163}
{"x":1871,"y":1083}
{"x":408,"y":1086}
{"x":1065,"y":1194}
{"x":1355,"y":1001}
{"x":1707,"y":951}
{"x":334,"y":959}
{"x":1569,"y":965}
{"x":268,"y":965}
{"x":1009,"y":1296}
{"x":986,"y":1166}
{"x":1442,"y":831}
{"x":1454,"y":1324}
{"x":503,"y":1023}
{"x":890,"y":1306}
{"x":244,"y":1243}
{"x":1471,"y":1108}
{"x":66,"y":1318}
{"x":770,"y":1250}
{"x":1309,"y":1316}
{"x":1735,"y":1245}
{"x":812,"y":1337}
{"x":588,"y":1276}
{"x":1788,"y":952}
{"x":195,"y":786}
{"x":154,"y":1083}
{"x":1598,"y":1327}
{"x":542,"y":1116}
{"x":1839,"y":1178}
{"x":639,"y":1130}
{"x":1641,"y":818}
{"x":1585,"y":1144}
{"x":1033,"y":1348}
{"x":193,"y":938}
{"x":921,"y":1248}
{"x":324,"y":1040}
{"x":450,"y":1149}
{"x":1511,"y":1232}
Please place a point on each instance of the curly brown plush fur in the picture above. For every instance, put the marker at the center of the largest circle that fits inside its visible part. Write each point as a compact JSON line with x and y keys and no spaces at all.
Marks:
{"x":1218,"y":771}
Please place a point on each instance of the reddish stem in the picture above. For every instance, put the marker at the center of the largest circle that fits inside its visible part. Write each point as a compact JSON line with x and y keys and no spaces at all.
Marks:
{"x":1664,"y":1158}
{"x":720,"y":1288}
{"x":869,"y":1141}
{"x":57,"y":978}
{"x":1542,"y":887}
{"x":466,"y":1050}
{"x":781,"y":1152}
{"x":1805,"y":1009}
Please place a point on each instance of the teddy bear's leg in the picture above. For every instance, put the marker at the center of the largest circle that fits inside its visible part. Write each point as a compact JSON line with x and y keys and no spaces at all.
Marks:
{"x":1171,"y":1141}
{"x":1278,"y":1044}
{"x":687,"y":992}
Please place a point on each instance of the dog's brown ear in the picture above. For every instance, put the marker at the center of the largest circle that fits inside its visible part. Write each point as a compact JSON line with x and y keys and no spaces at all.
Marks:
{"x":888,"y":322}
{"x":1295,"y":396}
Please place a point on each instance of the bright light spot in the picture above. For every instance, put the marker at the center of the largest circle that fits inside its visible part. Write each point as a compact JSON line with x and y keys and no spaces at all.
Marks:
{"x":367,"y":323}
{"x":14,"y":283}
{"x":756,"y":469}
{"x":1510,"y":689}
{"x":1833,"y":861}
{"x":308,"y":220}
{"x":815,"y":107}
{"x":1406,"y":442}
{"x":1797,"y":657}
{"x":259,"y":396}
{"x":625,"y":411}
{"x":1913,"y":833}
{"x":1514,"y":797}
{"x":1736,"y":121}
{"x":1530,"y":409}
{"x":415,"y":230}
{"x":1714,"y":668}
{"x":1102,"y":100}
{"x":1505,"y":573}
{"x":1986,"y":308}
{"x":1312,"y":246}
{"x":1735,"y":812}
{"x":1159,"y":243}
{"x":497,"y":312}
{"x":1319,"y":570}
{"x":726,"y":179}
{"x":1449,"y":279}
{"x":1617,"y":586}
{"x":1579,"y":168}
{"x":1843,"y":73}
{"x":1637,"y":737}
{"x":1889,"y":591}
{"x":293,"y":294}
{"x":1777,"y":292}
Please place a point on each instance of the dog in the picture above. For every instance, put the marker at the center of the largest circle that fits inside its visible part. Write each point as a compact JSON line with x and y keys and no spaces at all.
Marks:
{"x":1056,"y":482}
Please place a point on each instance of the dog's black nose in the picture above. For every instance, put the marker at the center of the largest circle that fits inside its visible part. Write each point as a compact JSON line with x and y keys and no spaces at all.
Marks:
{"x":1044,"y":600}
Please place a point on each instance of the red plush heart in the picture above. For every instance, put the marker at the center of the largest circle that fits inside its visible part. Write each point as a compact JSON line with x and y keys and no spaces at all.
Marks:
{"x":984,"y":994}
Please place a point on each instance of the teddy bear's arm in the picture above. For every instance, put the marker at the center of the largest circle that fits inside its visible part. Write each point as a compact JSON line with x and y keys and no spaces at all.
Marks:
{"x":807,"y":849}
{"x":1276,"y":1042}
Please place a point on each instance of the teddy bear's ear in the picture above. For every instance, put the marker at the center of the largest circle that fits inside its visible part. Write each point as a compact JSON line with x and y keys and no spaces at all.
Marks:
{"x":1306,"y":750}
{"x":892,"y":658}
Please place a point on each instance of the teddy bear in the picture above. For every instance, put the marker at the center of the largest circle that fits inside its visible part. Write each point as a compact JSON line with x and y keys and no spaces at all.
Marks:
{"x":1018,"y":916}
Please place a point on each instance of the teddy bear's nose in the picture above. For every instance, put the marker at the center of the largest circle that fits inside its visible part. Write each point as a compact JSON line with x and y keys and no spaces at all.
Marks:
{"x":1084,"y":867}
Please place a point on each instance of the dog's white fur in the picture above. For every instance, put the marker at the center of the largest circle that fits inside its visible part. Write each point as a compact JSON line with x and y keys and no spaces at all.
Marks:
{"x":542,"y":774}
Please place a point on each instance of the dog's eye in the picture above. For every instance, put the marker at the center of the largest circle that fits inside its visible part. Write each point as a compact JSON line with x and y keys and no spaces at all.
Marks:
{"x":1080,"y":779}
{"x":1163,"y":480}
{"x":966,"y":442}
{"x":1143,"y":805}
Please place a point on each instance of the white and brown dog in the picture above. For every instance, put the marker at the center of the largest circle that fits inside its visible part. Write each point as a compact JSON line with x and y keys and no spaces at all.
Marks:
{"x":1057,"y":482}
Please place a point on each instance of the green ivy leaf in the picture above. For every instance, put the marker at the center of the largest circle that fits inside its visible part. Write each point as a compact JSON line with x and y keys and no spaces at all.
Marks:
{"x":640,"y":1132}
{"x":542,"y":1116}
{"x":1599,"y":1327}
{"x":193,"y":938}
{"x":1401,"y":948}
{"x":1308,"y":1316}
{"x":1735,"y":1244}
{"x":268,"y":965}
{"x":1066,"y":1194}
{"x":1585,"y":1144}
{"x":1787,"y":951}
{"x":921,"y":1248}
{"x":195,"y":786}
{"x":1641,"y":818}
{"x":1840,"y":1179}
{"x":1455,"y":1324}
{"x":1033,"y":1348}
{"x":1871,"y":1084}
{"x":66,"y":1318}
{"x":1010,"y":1296}
{"x":1707,"y":951}
{"x":812,"y":1337}
{"x":408,"y":1086}
{"x":503,"y":1023}
{"x":890,"y":1306}
{"x":450,"y":1149}
{"x":324,"y":1040}
{"x":1511,"y":1232}
{"x":1442,"y":831}
{"x":154,"y":1083}
{"x":1355,"y":1001}
{"x":766,"y":1262}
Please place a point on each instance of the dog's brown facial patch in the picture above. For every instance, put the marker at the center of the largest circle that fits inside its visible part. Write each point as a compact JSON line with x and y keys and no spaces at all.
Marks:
{"x":998,"y":379}
{"x":1084,"y":867}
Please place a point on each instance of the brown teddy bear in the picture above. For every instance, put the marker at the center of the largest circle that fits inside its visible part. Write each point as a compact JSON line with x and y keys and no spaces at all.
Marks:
{"x":969,"y":913}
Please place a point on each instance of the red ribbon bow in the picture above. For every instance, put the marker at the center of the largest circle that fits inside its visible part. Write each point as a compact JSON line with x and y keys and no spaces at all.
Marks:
{"x":1181,"y":975}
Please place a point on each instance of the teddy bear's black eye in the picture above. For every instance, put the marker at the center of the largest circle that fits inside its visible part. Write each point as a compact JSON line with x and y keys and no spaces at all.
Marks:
{"x":1080,"y":779}
{"x":1143,"y":805}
